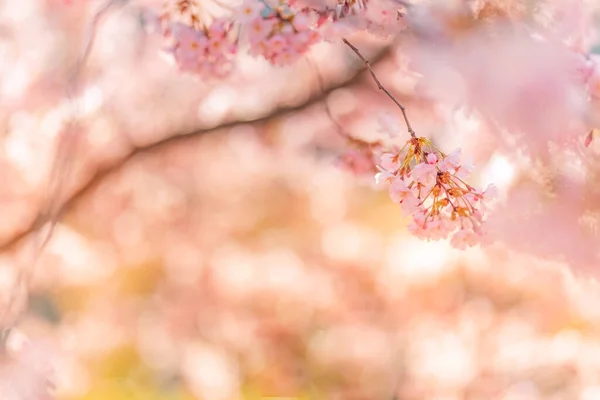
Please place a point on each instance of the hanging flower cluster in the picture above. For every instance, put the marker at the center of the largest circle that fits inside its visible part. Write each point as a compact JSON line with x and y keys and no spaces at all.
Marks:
{"x":429,"y":185}
{"x":281,"y":31}
{"x":341,"y":17}
{"x":207,"y":51}
{"x":276,"y":32}
{"x":198,"y":43}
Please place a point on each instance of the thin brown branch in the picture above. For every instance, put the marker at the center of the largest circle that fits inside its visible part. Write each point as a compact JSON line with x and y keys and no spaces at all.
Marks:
{"x":381,"y":87}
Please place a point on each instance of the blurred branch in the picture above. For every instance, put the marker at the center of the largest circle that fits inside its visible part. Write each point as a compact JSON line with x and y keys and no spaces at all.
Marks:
{"x":67,"y":146}
{"x":43,"y":218}
{"x":68,"y":140}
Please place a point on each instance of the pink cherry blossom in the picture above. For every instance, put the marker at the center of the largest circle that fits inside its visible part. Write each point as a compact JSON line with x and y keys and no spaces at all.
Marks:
{"x":491,"y":192}
{"x":259,"y":29}
{"x":205,"y":50}
{"x":451,"y":161}
{"x":399,"y":190}
{"x":427,"y":185}
{"x":464,"y":170}
{"x":410,"y":204}
{"x":338,"y":18}
{"x":424,"y":174}
{"x":384,"y":18}
{"x":432,"y":158}
{"x":464,"y":238}
{"x":280,"y":34}
{"x":248,"y":11}
{"x":390,"y":162}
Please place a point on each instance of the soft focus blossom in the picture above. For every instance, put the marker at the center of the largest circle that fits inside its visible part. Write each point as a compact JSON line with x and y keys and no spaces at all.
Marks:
{"x":167,"y":236}
{"x":430,"y":186}
{"x":279,"y":34}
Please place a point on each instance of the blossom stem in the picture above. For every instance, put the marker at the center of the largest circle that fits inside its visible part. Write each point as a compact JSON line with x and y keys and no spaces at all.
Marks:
{"x":381,"y":87}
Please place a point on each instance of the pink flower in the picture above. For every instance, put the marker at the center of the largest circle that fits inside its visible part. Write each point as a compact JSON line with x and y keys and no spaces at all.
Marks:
{"x":428,"y":186}
{"x":491,"y":192}
{"x":216,"y":46}
{"x":451,"y":161}
{"x":382,"y":18}
{"x":249,"y":10}
{"x":432,"y":158}
{"x":410,"y":204}
{"x":259,"y":29}
{"x":282,"y":36}
{"x":207,"y":52}
{"x":488,"y":194}
{"x":464,"y":170}
{"x":399,"y":191}
{"x":464,"y":238}
{"x":218,"y":28}
{"x":189,"y":46}
{"x":277,"y":43}
{"x":301,"y":22}
{"x":418,"y":225}
{"x":390,"y":162}
{"x":424,"y":174}
{"x":383,"y":176}
{"x":439,"y":227}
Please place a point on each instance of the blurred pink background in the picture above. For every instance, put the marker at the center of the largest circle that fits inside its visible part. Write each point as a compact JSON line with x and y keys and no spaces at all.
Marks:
{"x":211,"y":243}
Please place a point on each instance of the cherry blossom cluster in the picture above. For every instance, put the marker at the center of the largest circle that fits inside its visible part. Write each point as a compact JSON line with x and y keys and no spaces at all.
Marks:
{"x":430,"y":186}
{"x":198,"y":43}
{"x":341,"y":17}
{"x":275,"y":31}
{"x":207,"y":51}
{"x":281,"y":31}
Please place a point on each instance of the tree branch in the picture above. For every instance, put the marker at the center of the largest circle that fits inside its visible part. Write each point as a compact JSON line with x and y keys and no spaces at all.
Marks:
{"x":42,"y":218}
{"x":381,"y":87}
